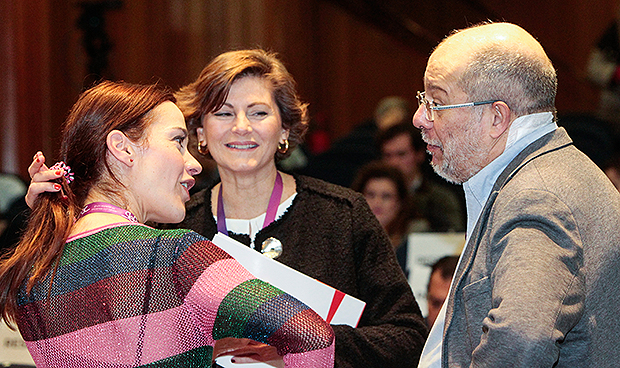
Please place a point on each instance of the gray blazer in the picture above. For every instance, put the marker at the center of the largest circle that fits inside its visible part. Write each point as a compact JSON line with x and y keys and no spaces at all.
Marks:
{"x":539,"y":282}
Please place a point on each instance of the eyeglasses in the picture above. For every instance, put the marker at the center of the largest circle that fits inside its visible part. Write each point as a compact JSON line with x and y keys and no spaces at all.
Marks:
{"x":431,"y":106}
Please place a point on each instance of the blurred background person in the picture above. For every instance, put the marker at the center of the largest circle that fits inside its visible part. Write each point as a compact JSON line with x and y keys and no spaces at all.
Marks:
{"x":385,"y":190}
{"x":612,"y":169}
{"x":13,"y":210}
{"x":13,"y":188}
{"x":603,"y":70}
{"x":340,"y":163}
{"x":390,"y":111}
{"x":439,"y":283}
{"x":401,"y":146}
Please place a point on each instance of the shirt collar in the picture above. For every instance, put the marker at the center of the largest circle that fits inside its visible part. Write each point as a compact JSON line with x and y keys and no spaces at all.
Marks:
{"x":522,"y":132}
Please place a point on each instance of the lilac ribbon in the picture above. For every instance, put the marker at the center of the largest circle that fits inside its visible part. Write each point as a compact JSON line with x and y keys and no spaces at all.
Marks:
{"x":272,"y":207}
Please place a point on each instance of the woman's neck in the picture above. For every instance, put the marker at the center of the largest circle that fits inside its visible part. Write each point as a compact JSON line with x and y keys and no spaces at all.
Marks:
{"x":99,"y":219}
{"x":247,"y":196}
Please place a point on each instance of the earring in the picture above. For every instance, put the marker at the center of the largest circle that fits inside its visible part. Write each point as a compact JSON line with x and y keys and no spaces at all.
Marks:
{"x":202,"y":149}
{"x":283,"y":148}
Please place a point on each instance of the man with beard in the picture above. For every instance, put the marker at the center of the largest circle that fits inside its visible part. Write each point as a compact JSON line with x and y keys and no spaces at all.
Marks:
{"x":537,"y":283}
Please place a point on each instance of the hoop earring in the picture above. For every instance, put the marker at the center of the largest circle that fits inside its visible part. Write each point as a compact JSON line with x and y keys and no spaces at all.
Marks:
{"x":202,"y":149}
{"x":283,"y":148}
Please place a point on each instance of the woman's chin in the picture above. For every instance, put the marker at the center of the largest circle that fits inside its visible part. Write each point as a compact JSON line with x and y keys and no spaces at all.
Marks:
{"x":171,"y":217}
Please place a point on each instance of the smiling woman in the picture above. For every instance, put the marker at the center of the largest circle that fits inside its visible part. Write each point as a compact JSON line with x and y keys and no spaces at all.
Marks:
{"x":90,"y":285}
{"x":246,"y":131}
{"x":248,"y":115}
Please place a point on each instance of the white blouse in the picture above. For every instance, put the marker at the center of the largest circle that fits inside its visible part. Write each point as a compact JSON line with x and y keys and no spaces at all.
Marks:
{"x":253,"y":226}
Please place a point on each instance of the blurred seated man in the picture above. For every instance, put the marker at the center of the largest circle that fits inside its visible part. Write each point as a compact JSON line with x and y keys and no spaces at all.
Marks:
{"x":341,"y":162}
{"x":603,"y":70}
{"x":402,"y":147}
{"x":439,"y":286}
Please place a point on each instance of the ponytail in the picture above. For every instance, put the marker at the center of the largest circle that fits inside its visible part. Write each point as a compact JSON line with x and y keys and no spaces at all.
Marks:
{"x":39,"y":249}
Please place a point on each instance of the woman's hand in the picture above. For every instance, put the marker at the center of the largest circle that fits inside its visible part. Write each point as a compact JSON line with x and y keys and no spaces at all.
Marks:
{"x":247,"y":351}
{"x":41,"y":179}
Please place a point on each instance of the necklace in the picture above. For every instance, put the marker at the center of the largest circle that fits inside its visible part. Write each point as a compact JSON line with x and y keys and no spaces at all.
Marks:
{"x":272,"y":207}
{"x":103,"y":207}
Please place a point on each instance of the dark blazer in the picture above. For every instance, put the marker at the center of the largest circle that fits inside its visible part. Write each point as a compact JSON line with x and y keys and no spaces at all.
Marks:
{"x":539,"y":282}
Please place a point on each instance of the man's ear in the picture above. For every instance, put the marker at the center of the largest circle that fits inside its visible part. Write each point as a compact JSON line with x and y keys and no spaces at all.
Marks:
{"x":121,"y":147}
{"x":502,"y":118}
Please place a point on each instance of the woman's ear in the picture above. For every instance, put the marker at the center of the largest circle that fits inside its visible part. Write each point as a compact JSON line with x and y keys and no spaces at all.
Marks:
{"x":200,"y":134}
{"x":285,"y":134}
{"x":120,"y":147}
{"x":502,"y":118}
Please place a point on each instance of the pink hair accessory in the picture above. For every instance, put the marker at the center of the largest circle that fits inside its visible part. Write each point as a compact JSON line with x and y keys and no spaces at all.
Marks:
{"x":69,"y":176}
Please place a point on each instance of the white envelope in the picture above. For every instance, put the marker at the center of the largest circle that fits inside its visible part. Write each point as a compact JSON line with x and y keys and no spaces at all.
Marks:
{"x":336,"y":307}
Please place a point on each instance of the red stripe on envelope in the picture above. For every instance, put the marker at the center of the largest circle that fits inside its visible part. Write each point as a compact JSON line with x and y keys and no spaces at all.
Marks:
{"x":336,"y":300}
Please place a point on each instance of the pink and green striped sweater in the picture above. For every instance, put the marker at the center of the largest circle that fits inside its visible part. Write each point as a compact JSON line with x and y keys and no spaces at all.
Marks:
{"x":133,"y":296}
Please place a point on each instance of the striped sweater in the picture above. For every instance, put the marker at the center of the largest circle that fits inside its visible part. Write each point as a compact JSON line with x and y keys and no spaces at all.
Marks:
{"x":133,"y":296}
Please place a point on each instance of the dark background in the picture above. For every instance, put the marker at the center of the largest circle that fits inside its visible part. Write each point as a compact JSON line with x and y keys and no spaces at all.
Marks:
{"x":345,"y":54}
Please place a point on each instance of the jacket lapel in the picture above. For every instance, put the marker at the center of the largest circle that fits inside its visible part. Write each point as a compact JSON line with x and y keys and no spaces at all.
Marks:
{"x":548,"y":143}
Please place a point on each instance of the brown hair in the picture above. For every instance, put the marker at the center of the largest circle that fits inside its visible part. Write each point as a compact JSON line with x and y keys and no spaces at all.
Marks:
{"x":209,"y":92}
{"x":380,"y":170}
{"x":446,"y":266}
{"x":105,"y":107}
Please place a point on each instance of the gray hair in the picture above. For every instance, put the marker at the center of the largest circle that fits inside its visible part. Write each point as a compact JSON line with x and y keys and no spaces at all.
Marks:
{"x":526,"y":83}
